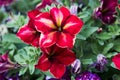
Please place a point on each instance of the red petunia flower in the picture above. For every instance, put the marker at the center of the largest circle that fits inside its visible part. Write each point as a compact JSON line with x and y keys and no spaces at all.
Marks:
{"x":116,"y":61}
{"x":55,"y":59}
{"x":58,"y":26}
{"x":28,"y":33}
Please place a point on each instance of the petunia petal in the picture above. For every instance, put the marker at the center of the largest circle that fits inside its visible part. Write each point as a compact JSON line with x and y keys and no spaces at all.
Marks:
{"x":65,"y":12}
{"x":44,"y":23}
{"x":66,"y":57}
{"x":57,"y":69}
{"x":35,"y":41}
{"x":47,"y":40}
{"x":73,"y":25}
{"x":59,"y":15}
{"x":32,"y":14}
{"x":66,"y":40}
{"x":43,"y":64}
{"x":109,"y":5}
{"x":116,"y":60}
{"x":26,"y":32}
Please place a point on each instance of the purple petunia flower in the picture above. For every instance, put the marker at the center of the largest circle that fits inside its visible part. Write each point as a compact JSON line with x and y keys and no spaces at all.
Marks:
{"x":88,"y":76}
{"x":73,"y":9}
{"x":6,"y":63}
{"x":6,"y":76}
{"x":106,"y":12}
{"x":100,"y":64}
{"x":76,"y":66}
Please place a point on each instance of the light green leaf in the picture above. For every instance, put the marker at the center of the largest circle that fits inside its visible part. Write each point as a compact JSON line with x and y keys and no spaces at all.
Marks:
{"x":48,"y":73}
{"x":87,"y":61}
{"x":22,"y":71}
{"x":12,"y":38}
{"x":31,"y":67}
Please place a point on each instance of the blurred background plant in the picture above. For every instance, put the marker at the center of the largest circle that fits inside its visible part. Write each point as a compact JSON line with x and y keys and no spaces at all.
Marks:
{"x":95,"y":38}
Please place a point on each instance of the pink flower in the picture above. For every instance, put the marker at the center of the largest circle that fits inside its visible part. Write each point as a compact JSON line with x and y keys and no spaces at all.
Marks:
{"x":28,"y":33}
{"x":5,"y":2}
{"x":116,"y":60}
{"x":55,"y":59}
{"x":58,"y":26}
{"x":5,"y":63}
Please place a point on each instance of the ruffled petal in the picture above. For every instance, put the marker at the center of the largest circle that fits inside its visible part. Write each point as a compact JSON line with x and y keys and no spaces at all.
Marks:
{"x":66,"y":57}
{"x":73,"y":25}
{"x":43,"y":23}
{"x":26,"y":32}
{"x":47,"y":40}
{"x":59,"y":15}
{"x":57,"y":69}
{"x":66,"y":40}
{"x":43,"y":64}
{"x":116,"y":60}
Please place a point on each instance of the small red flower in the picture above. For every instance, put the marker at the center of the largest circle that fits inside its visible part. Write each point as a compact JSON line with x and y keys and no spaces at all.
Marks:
{"x":28,"y":33}
{"x":55,"y":59}
{"x":116,"y":60}
{"x":58,"y":26}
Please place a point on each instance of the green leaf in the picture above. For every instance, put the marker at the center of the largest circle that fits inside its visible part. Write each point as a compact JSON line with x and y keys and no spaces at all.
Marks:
{"x":12,"y":38}
{"x":19,"y":59}
{"x":22,"y":71}
{"x":104,"y":36}
{"x":93,"y":4}
{"x":117,"y":48}
{"x":72,"y":78}
{"x":95,"y":48}
{"x":48,"y":73}
{"x":27,"y":57}
{"x":79,"y":36}
{"x":87,"y":32}
{"x":87,"y":61}
{"x":113,"y":65}
{"x":16,"y":21}
{"x":117,"y":45}
{"x":109,"y":55}
{"x":116,"y":77}
{"x":31,"y":67}
{"x":107,"y":48}
{"x":1,"y":16}
{"x":85,"y":15}
{"x":41,"y":77}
